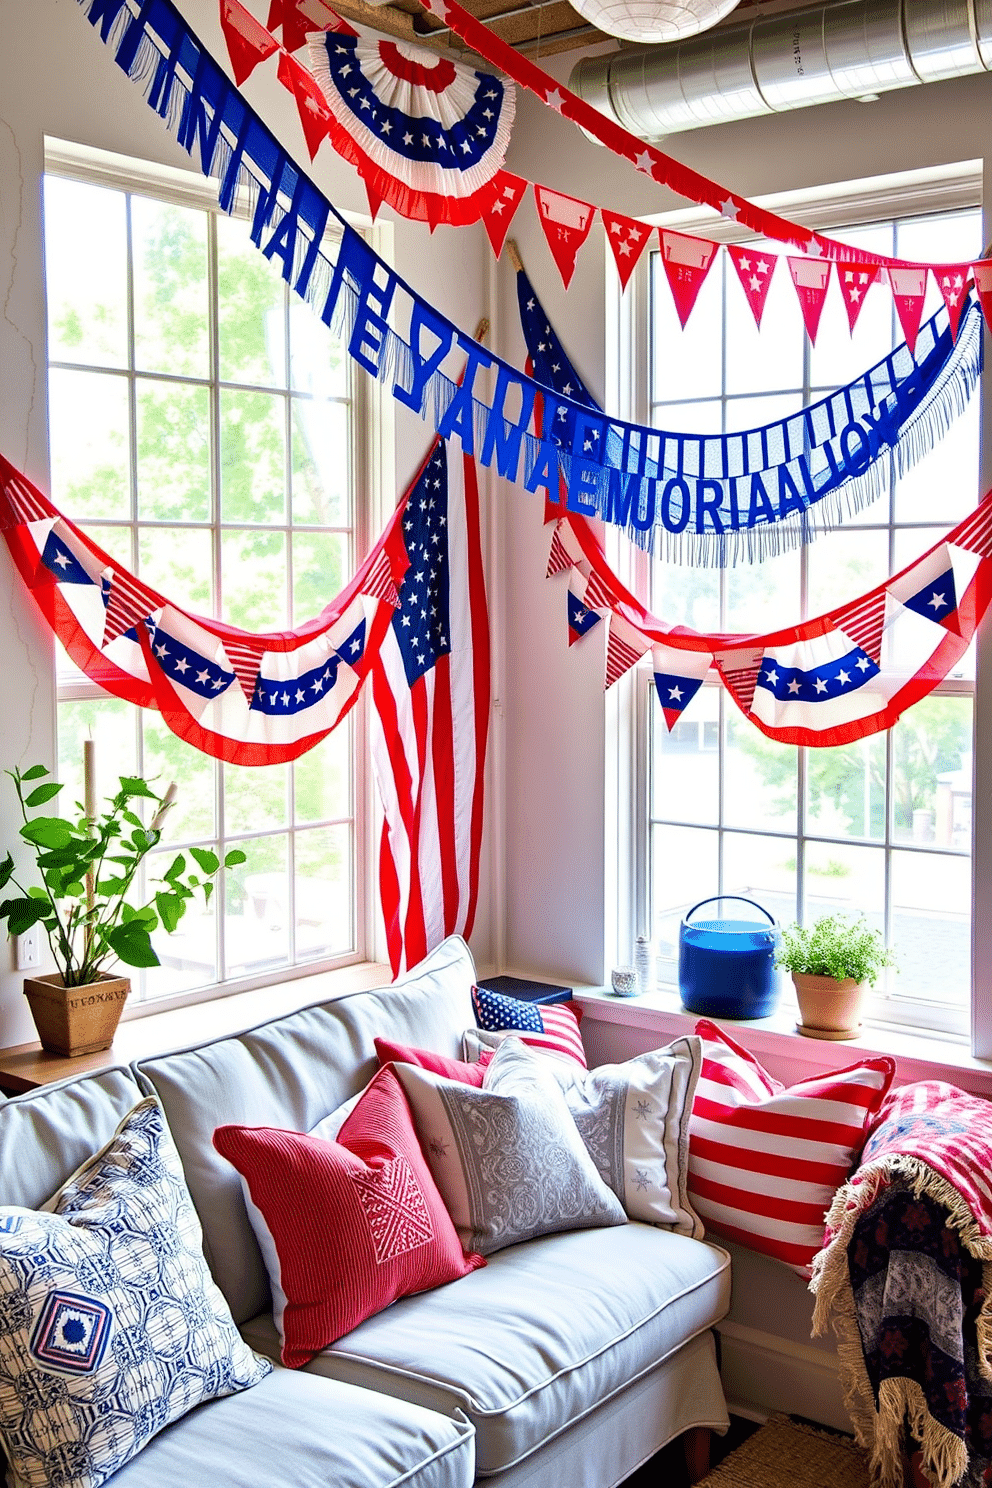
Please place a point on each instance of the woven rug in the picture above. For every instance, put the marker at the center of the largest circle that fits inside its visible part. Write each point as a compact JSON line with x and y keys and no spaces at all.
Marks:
{"x":790,"y":1454}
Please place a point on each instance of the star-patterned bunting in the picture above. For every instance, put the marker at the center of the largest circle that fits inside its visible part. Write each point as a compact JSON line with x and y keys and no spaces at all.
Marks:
{"x":754,"y":270}
{"x":627,"y":240}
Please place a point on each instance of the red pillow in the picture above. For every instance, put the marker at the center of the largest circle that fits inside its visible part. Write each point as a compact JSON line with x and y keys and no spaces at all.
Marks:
{"x":764,"y":1160}
{"x":438,"y":1064}
{"x":345,"y":1227}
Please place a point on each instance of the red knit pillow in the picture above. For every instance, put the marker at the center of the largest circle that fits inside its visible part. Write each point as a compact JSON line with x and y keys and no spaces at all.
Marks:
{"x":438,"y":1064}
{"x":345,"y":1227}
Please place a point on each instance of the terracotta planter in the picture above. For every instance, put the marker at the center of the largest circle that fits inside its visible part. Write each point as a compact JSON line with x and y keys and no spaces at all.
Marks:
{"x":828,"y":1008}
{"x":76,"y":1020}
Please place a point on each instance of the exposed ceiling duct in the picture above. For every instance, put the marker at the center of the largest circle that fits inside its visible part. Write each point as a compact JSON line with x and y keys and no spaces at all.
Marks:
{"x":841,"y":49}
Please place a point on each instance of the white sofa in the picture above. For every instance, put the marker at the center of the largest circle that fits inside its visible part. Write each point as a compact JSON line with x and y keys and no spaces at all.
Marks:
{"x":569,"y":1359}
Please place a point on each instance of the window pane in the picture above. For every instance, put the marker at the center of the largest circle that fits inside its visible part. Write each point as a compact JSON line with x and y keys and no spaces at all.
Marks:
{"x":686,"y":364}
{"x":318,"y":360}
{"x":319,"y":565}
{"x":932,"y":772}
{"x":179,"y":562}
{"x":323,"y":778}
{"x":189,"y":955}
{"x":755,"y":413}
{"x":251,"y":310}
{"x":167,"y":758}
{"x":931,"y":927}
{"x":761,"y":777}
{"x":253,"y":457}
{"x":686,"y":596}
{"x":324,"y":895}
{"x":684,"y":869}
{"x":685,"y":771}
{"x":254,"y":578}
{"x":321,"y":475}
{"x":90,"y":447}
{"x":943,"y":486}
{"x":689,"y":418}
{"x":772,"y":358}
{"x":86,"y":273}
{"x":170,"y":288}
{"x":844,"y":565}
{"x":841,"y":355}
{"x":845,"y":789}
{"x":763,"y":595}
{"x":257,"y":907}
{"x":112,"y":725}
{"x":173,"y":452}
{"x":841,"y":879}
{"x":762,"y":869}
{"x":255,"y":798}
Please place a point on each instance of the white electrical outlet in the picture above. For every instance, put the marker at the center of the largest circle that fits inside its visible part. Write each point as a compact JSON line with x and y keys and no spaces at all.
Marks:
{"x":28,"y":949}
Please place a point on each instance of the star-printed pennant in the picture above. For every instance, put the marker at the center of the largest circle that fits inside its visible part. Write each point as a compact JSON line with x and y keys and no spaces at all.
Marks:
{"x":507,"y":196}
{"x":295,"y":25}
{"x":687,"y":262}
{"x":315,"y":116}
{"x":566,"y":222}
{"x":952,"y":281}
{"x":929,"y":590}
{"x":580,"y":619}
{"x":855,"y":280}
{"x":678,"y":676}
{"x":755,"y":271}
{"x":983,"y":287}
{"x":248,"y":42}
{"x":909,"y":290}
{"x":811,"y":276}
{"x":627,"y":239}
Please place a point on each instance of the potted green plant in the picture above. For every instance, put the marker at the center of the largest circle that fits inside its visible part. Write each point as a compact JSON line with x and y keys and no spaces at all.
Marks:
{"x":832,"y":962}
{"x":86,"y":868}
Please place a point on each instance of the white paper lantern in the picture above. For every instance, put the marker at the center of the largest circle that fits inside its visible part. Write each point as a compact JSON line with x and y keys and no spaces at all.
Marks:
{"x":653,"y":20}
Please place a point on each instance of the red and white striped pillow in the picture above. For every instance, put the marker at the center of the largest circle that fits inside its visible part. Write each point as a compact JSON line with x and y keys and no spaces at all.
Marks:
{"x":764,"y":1159}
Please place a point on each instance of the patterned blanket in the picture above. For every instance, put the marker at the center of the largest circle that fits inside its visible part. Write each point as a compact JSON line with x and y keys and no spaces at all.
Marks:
{"x":905,"y":1280}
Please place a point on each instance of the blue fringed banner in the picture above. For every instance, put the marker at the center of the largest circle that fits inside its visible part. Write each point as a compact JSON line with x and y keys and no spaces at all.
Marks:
{"x":699,"y":499}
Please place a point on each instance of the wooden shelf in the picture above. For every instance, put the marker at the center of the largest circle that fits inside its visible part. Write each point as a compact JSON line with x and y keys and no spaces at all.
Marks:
{"x":25,"y":1067}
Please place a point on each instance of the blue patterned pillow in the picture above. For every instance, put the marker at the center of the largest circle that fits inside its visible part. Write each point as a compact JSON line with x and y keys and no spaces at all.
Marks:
{"x":110,"y":1323}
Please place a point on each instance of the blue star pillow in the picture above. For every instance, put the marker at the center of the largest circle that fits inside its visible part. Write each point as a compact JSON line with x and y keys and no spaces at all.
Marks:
{"x":111,"y":1326}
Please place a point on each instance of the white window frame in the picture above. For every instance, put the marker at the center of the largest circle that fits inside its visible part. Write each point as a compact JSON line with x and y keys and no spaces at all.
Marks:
{"x":373,"y":458}
{"x":949,"y":187}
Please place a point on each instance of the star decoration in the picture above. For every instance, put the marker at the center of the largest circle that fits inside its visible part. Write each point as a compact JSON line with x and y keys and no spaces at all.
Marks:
{"x":730,"y":209}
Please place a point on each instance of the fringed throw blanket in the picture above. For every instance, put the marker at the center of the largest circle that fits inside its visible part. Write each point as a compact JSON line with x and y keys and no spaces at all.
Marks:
{"x":905,"y":1279}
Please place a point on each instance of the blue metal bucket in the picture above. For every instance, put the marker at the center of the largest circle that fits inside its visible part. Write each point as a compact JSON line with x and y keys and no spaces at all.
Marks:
{"x":727,"y":967}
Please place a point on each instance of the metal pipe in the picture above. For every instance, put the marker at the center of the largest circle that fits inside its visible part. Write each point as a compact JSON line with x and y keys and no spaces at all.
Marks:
{"x":840,"y":49}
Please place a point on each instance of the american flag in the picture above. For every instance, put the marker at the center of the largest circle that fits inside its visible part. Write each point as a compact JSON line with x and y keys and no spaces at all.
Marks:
{"x":430,"y":693}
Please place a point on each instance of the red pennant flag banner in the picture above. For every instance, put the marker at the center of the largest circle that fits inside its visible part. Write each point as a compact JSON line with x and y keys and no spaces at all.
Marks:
{"x":496,"y":218}
{"x":952,"y":281}
{"x":855,"y":280}
{"x":755,"y":271}
{"x":983,"y":287}
{"x":295,"y":25}
{"x":248,"y":42}
{"x":566,"y":222}
{"x":687,"y":262}
{"x":627,"y":239}
{"x":811,"y":276}
{"x":315,"y":116}
{"x":909,"y":290}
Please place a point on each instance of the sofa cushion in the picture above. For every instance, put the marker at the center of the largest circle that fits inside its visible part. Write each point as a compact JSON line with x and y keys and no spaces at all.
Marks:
{"x":297,"y":1431}
{"x":345,"y":1227}
{"x":508,"y":1158}
{"x":48,"y":1133}
{"x":547,"y":1332}
{"x":292,"y":1072}
{"x":110,"y":1325}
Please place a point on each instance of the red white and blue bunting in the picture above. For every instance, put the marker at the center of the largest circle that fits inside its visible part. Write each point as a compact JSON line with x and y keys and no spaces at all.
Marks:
{"x":842,"y":676}
{"x":244,"y":698}
{"x":427,"y":134}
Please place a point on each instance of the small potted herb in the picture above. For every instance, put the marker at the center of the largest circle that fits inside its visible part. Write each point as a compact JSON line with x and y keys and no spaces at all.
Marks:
{"x":86,"y":867}
{"x":832,"y":963}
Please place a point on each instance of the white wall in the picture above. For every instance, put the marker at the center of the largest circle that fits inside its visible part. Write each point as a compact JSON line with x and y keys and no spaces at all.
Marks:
{"x":557,"y":819}
{"x":57,"y":78}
